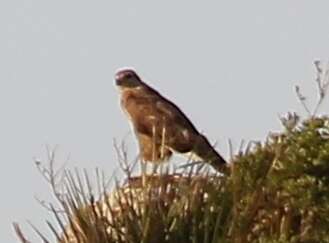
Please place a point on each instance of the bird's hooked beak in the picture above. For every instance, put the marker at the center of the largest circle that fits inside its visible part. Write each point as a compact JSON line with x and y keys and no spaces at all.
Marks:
{"x":118,"y":78}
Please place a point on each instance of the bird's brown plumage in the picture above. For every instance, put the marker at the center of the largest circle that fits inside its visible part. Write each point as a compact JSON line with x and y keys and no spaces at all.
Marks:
{"x":160,"y":126}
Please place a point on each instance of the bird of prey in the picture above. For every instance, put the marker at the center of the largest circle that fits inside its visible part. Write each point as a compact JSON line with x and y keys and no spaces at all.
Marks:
{"x":160,"y":126}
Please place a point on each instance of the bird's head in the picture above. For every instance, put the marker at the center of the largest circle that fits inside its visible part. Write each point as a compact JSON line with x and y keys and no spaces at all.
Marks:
{"x":127,"y":78}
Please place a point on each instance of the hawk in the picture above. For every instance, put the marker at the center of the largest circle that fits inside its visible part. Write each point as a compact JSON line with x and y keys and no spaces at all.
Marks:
{"x":160,"y":126}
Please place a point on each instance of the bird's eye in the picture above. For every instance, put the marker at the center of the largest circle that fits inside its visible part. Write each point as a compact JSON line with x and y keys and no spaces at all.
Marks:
{"x":129,"y":75}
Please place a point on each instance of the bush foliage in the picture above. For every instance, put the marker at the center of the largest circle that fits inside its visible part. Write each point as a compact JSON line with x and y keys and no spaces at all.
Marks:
{"x":277,"y":191}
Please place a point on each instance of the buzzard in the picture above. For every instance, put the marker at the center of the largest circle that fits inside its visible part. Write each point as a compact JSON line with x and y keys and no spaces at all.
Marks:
{"x":160,"y":126}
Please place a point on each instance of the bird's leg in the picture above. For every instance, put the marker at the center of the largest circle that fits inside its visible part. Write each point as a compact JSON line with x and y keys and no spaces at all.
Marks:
{"x":163,"y":139}
{"x":154,"y":143}
{"x":144,"y":171}
{"x":154,"y":148}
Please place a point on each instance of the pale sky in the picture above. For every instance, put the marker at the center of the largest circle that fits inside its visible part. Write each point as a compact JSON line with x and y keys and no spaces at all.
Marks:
{"x":230,"y":65}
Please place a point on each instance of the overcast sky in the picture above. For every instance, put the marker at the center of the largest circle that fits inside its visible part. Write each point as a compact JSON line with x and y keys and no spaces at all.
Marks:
{"x":230,"y":65}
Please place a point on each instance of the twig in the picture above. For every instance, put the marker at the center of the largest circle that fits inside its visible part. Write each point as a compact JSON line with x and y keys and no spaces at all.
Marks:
{"x":322,"y":80}
{"x":20,"y":234}
{"x":45,"y":205}
{"x":55,"y":177}
{"x":302,"y":99}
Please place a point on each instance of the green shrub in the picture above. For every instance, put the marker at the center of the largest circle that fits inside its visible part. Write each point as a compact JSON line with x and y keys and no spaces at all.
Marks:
{"x":277,"y":191}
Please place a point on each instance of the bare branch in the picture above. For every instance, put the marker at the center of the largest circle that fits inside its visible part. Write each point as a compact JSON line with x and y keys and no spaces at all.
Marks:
{"x":55,"y":177}
{"x":20,"y":234}
{"x":302,"y":99}
{"x":322,"y":80}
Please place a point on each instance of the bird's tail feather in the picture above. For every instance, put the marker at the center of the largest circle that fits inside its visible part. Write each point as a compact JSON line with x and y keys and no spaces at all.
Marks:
{"x":206,"y":152}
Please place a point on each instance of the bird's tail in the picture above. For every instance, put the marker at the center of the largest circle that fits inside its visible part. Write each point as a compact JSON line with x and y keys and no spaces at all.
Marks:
{"x":206,"y":152}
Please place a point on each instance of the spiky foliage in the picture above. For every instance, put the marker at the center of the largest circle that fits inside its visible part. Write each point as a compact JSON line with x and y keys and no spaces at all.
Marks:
{"x":281,"y":187}
{"x":277,"y":191}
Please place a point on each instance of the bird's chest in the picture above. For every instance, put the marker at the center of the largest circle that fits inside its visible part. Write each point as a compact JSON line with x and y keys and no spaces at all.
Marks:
{"x":130,"y":103}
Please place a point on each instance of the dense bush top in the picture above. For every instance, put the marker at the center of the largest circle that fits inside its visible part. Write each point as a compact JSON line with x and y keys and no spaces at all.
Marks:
{"x":276,"y":191}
